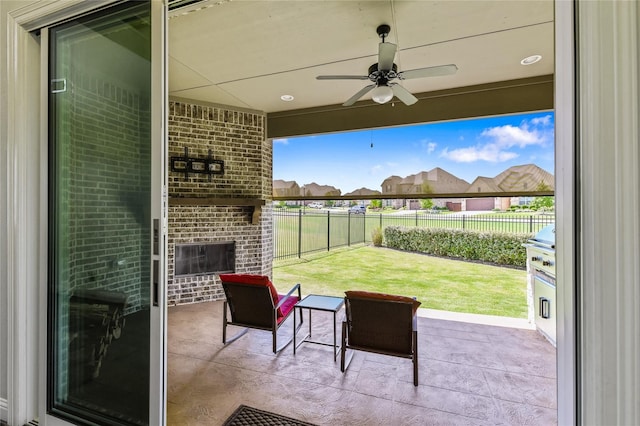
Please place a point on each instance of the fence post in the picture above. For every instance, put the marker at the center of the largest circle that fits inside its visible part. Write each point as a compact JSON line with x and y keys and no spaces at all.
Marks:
{"x":328,"y":232}
{"x":530,"y":223}
{"x":299,"y":234}
{"x":348,"y":229}
{"x":364,"y":227}
{"x":464,"y":217}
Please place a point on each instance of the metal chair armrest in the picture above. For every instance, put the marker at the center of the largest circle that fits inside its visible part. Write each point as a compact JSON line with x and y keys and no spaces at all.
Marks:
{"x":295,"y":287}
{"x":414,"y":322}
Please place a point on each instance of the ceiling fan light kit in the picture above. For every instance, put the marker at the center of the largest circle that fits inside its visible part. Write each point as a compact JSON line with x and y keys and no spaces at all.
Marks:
{"x":382,"y":74}
{"x":382,"y":94}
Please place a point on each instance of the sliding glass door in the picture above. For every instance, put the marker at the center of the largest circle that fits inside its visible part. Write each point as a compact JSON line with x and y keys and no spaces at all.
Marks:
{"x":106,"y":243}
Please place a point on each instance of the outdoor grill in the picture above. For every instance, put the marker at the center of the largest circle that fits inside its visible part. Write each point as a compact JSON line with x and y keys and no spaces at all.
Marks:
{"x":541,"y":273}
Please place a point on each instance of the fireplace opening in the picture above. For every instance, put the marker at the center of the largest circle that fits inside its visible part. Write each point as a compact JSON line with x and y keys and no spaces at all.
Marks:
{"x":205,"y":258}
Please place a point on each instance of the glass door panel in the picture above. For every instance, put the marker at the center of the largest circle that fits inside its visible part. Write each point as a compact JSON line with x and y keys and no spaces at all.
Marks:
{"x":100,"y":215}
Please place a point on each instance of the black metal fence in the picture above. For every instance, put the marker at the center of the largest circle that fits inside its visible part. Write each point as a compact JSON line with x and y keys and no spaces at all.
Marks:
{"x":298,"y":232}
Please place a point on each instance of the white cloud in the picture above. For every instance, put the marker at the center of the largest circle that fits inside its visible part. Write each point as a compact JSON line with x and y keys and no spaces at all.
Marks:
{"x":542,"y":121}
{"x":283,"y":141}
{"x":428,"y":145}
{"x":509,"y":136}
{"x":376,"y":169}
{"x":503,"y":141}
{"x":477,"y":153}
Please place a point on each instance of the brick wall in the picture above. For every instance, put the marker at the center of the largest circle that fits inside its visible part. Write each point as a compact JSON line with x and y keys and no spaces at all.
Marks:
{"x":239,"y":139}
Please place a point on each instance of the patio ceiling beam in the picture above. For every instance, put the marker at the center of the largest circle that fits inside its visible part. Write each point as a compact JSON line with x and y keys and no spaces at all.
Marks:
{"x":505,"y":97}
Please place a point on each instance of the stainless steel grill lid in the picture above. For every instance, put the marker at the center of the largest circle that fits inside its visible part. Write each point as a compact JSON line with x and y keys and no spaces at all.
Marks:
{"x":546,"y":236}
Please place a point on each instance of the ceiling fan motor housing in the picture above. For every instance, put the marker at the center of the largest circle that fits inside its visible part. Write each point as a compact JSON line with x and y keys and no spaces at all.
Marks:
{"x":382,"y":77}
{"x":385,"y":70}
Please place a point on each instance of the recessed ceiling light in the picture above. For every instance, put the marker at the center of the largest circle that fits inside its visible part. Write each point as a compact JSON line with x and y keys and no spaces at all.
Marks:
{"x":286,"y":98}
{"x":531,"y":59}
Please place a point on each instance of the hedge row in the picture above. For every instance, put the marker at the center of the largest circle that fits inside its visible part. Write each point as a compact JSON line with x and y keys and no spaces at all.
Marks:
{"x":493,"y":247}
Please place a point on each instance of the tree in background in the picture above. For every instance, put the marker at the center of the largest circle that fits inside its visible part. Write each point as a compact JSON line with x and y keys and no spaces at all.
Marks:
{"x":376,"y":204}
{"x":426,"y":204}
{"x":543,"y":203}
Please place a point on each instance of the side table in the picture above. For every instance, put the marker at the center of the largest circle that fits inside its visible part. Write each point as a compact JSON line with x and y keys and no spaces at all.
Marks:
{"x":318,"y":303}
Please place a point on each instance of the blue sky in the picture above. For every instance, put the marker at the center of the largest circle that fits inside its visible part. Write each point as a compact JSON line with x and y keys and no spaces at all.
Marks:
{"x":466,"y":148}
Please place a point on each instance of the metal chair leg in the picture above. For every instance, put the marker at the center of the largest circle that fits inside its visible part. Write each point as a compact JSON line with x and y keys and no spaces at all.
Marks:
{"x":415,"y":358}
{"x":343,"y":349}
{"x":224,"y":322}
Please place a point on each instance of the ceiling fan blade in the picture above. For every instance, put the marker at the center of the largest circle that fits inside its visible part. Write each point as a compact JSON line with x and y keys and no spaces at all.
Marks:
{"x":352,"y":100}
{"x":386,"y":54}
{"x":403,"y":94}
{"x":428,"y":72}
{"x":342,"y":77}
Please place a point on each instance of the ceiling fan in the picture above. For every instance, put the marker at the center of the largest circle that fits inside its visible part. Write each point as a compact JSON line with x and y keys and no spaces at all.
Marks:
{"x":385,"y":71}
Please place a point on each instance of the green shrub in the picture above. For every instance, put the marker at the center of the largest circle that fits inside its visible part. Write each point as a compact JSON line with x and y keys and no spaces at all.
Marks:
{"x":376,"y":236}
{"x":493,"y":247}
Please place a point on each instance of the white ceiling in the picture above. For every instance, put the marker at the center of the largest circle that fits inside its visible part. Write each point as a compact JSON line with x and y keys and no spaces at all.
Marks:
{"x":248,"y":53}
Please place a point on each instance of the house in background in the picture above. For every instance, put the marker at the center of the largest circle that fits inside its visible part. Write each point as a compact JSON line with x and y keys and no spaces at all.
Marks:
{"x":391,"y":185}
{"x":437,"y":181}
{"x":516,"y":179}
{"x":363,"y":192}
{"x":523,"y":178}
{"x":286,"y":188}
{"x":315,"y":190}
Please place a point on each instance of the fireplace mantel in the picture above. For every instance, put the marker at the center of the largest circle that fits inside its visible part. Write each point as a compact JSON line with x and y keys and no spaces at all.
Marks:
{"x":256,"y":203}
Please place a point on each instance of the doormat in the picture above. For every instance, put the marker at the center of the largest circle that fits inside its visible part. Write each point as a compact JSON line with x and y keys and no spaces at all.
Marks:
{"x":249,"y":416}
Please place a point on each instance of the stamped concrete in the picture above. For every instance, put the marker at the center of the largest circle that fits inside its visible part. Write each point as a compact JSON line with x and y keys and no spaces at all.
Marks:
{"x":473,"y":370}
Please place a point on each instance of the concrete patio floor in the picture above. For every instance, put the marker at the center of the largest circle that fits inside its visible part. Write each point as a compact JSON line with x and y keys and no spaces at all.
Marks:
{"x":470,"y":373}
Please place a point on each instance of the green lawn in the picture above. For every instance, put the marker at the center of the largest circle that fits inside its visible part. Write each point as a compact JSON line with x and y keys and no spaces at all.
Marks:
{"x":443,"y":284}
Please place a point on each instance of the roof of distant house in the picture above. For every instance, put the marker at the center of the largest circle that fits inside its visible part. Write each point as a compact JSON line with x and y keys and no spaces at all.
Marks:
{"x":283,"y":184}
{"x":526,"y":177}
{"x":315,"y":190}
{"x":364,"y":191}
{"x":436,"y":180}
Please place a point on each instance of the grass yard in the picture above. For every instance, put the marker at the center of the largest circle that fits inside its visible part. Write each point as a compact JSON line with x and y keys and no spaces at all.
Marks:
{"x":444,"y":284}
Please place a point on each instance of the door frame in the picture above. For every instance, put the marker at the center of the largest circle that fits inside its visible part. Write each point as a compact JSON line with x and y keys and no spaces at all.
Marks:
{"x":27,"y":211}
{"x":566,"y":199}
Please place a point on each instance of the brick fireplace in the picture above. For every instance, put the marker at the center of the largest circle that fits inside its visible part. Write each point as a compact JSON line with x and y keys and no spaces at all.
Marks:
{"x":233,"y":206}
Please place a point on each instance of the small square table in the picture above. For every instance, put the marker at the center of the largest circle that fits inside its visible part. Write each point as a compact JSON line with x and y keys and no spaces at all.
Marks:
{"x":318,"y":303}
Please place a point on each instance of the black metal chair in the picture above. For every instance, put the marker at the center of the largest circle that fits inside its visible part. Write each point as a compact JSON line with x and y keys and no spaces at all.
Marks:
{"x":380,"y":323}
{"x":254,"y":302}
